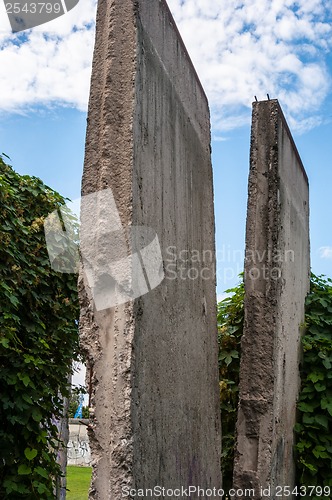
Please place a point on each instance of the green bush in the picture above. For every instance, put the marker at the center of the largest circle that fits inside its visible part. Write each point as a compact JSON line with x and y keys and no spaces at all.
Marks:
{"x":38,"y":339}
{"x":313,"y":448}
{"x":230,"y":329}
{"x":314,"y":423}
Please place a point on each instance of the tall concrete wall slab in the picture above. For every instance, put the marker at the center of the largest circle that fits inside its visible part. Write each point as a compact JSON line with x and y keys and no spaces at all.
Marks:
{"x":154,"y":359}
{"x":277,"y":277}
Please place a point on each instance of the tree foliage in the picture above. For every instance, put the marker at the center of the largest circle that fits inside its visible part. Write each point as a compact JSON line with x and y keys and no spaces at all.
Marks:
{"x":38,"y":339}
{"x":230,"y":329}
{"x":314,"y":423}
{"x":313,"y":448}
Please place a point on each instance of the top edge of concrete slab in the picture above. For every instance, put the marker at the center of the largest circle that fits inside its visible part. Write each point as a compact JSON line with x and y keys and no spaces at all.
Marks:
{"x":282,"y":116}
{"x":176,"y":29}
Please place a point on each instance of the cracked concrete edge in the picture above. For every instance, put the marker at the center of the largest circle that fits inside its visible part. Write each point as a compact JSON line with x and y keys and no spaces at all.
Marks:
{"x":106,"y":336}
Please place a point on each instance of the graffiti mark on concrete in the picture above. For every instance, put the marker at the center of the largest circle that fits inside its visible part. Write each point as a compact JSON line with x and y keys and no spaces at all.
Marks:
{"x":78,"y":449}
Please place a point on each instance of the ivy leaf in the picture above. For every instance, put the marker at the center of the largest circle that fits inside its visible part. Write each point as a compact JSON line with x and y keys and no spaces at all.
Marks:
{"x":30,"y":453}
{"x":322,"y":420}
{"x":42,"y":472}
{"x":306,"y":407}
{"x":327,"y":363}
{"x":302,"y":445}
{"x":41,"y":488}
{"x":24,"y":470}
{"x":326,"y":404}
{"x":14,"y":300}
{"x":26,"y":380}
{"x":4,"y":342}
{"x":320,"y":452}
{"x":36,"y":415}
{"x":315,"y":377}
{"x":320,"y":387}
{"x":311,"y":467}
{"x":27,"y":398}
{"x":307,"y":419}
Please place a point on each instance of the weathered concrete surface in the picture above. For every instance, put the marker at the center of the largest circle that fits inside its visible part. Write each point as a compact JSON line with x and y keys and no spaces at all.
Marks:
{"x":154,"y":360}
{"x":276,"y":283}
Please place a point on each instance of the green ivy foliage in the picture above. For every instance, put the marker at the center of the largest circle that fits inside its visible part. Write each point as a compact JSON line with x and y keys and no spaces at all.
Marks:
{"x":313,"y":449}
{"x":38,"y":339}
{"x":314,"y":423}
{"x":230,"y":329}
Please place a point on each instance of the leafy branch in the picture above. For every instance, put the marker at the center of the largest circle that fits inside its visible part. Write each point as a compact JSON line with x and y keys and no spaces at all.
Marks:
{"x":38,"y":339}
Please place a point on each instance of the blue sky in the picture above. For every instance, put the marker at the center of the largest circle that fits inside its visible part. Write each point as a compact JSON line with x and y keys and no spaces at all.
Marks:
{"x":240,"y":49}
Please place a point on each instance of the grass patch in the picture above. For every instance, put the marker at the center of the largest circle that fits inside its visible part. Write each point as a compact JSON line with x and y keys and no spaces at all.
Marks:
{"x":78,"y":482}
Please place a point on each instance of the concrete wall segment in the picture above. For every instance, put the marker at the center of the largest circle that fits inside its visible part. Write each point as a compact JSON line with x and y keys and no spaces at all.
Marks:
{"x":277,"y":271}
{"x":154,"y":360}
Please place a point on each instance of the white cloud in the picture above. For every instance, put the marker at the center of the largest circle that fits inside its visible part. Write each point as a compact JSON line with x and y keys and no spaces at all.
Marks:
{"x":223,"y":296}
{"x":240,"y":48}
{"x":79,"y":374}
{"x":50,"y":64}
{"x":219,"y":138}
{"x":254,"y":47}
{"x":325,"y":252}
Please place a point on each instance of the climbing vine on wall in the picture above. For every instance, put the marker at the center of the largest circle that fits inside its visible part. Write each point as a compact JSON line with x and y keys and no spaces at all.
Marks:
{"x":314,"y":423}
{"x":313,"y":449}
{"x":230,"y":328}
{"x":38,"y":339}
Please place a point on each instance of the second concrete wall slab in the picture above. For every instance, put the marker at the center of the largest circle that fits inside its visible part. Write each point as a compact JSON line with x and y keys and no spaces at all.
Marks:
{"x":277,"y":271}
